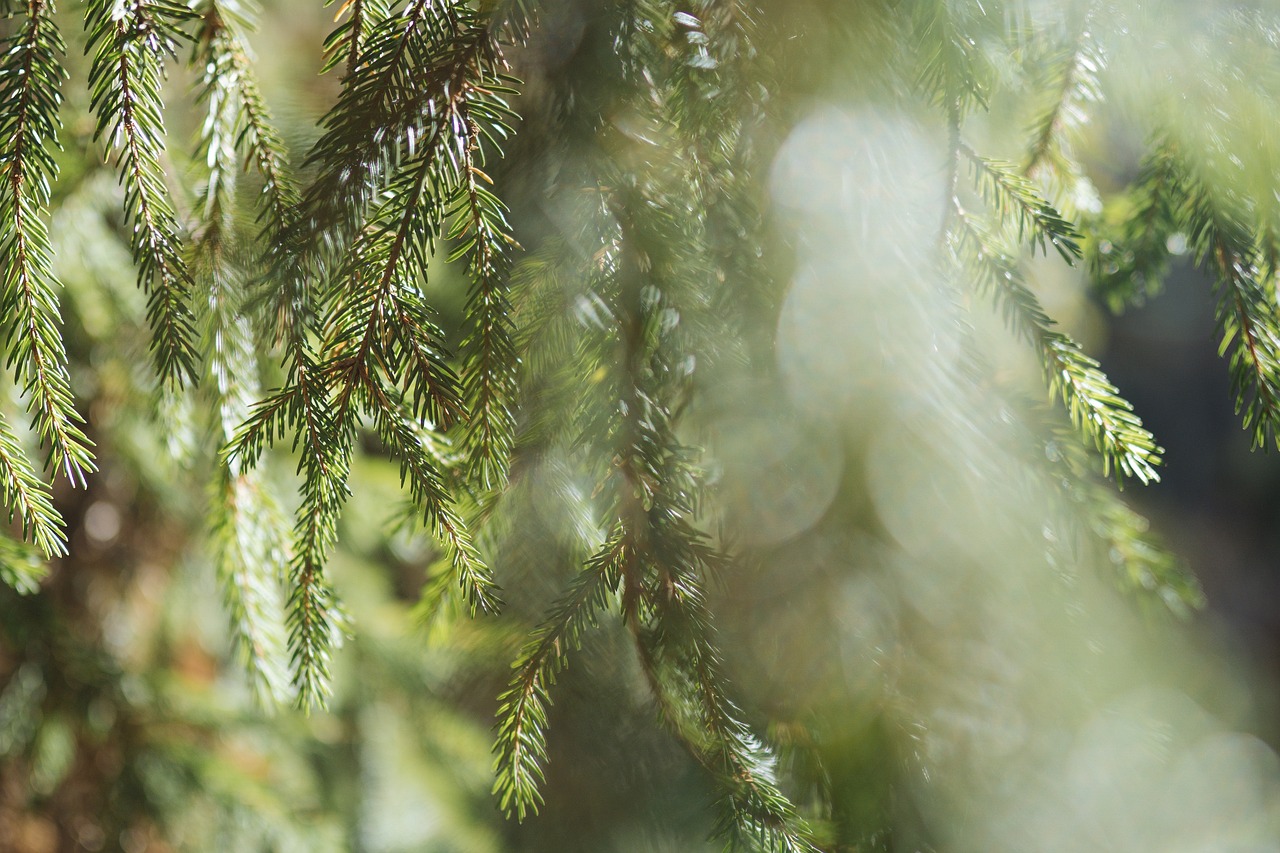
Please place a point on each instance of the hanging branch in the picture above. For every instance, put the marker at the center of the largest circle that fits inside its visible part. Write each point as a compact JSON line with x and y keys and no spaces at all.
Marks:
{"x":419,"y":466}
{"x":30,"y":77}
{"x":27,"y":496}
{"x":131,"y":40}
{"x":429,"y":80}
{"x":1144,"y":566}
{"x":1247,"y":311}
{"x":1129,"y":254}
{"x":1146,"y":563}
{"x":1097,"y":410}
{"x":380,"y":320}
{"x":395,"y":89}
{"x":1074,"y":84}
{"x":658,"y":558}
{"x":230,"y":355}
{"x":1012,"y":196}
{"x":717,"y":98}
{"x":521,"y":744}
{"x":22,"y":565}
{"x":754,"y":810}
{"x":248,"y":531}
{"x":404,"y":85}
{"x":344,"y":44}
{"x":324,"y":440}
{"x":238,"y":122}
{"x":954,"y":71}
{"x":248,"y":555}
{"x":482,"y":236}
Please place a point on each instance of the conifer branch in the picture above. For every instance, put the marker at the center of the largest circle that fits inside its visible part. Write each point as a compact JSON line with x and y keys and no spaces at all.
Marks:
{"x":381,"y":319}
{"x":482,"y":236}
{"x":1128,"y":259}
{"x":249,"y":548}
{"x":323,"y":438}
{"x":238,"y":118}
{"x":521,"y":745}
{"x":218,"y":93}
{"x":1247,"y":318}
{"x":1247,"y":311}
{"x":231,"y":357}
{"x":22,"y":565}
{"x":248,"y":531}
{"x":668,"y":559}
{"x":1011,"y":195}
{"x":418,"y":466}
{"x":407,"y":84}
{"x":1143,"y":564}
{"x":953,"y":69}
{"x":326,"y":439}
{"x":1074,"y":83}
{"x":30,"y":76}
{"x":27,"y":496}
{"x":754,"y":810}
{"x":1097,"y":410}
{"x":250,"y":557}
{"x":381,"y":347}
{"x":344,"y":44}
{"x":131,"y":40}
{"x":1145,"y":561}
{"x":664,"y":604}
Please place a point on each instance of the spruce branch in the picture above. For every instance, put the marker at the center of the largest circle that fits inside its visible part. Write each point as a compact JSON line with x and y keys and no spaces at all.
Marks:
{"x":1247,"y":319}
{"x":1143,"y":563}
{"x":382,"y":351}
{"x":521,"y":744}
{"x":380,"y":320}
{"x":1096,"y":409}
{"x":238,"y":124}
{"x":1144,"y":559}
{"x":218,"y":93}
{"x":420,"y":467}
{"x":231,"y":358}
{"x":1247,"y":312}
{"x":755,"y":812}
{"x":482,"y":236}
{"x":344,"y":43}
{"x":131,"y":41}
{"x":248,"y":531}
{"x":326,"y":438}
{"x":1128,"y":254}
{"x":22,"y":565}
{"x":323,"y":439}
{"x":250,"y":559}
{"x":237,"y":118}
{"x":406,"y":84}
{"x":30,"y":78}
{"x":665,"y":606}
{"x":1073,"y":83}
{"x":954,"y":71}
{"x":27,"y":496}
{"x":1011,"y":195}
{"x":668,"y":560}
{"x":229,"y":353}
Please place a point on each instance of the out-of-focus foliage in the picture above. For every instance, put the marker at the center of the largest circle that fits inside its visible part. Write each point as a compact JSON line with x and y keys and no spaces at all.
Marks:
{"x":618,"y":426}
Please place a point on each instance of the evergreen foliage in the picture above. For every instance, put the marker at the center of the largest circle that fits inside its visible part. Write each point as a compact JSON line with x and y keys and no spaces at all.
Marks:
{"x":622,"y":266}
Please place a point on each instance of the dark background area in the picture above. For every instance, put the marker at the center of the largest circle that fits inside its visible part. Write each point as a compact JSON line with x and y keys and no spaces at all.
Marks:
{"x":1218,"y":502}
